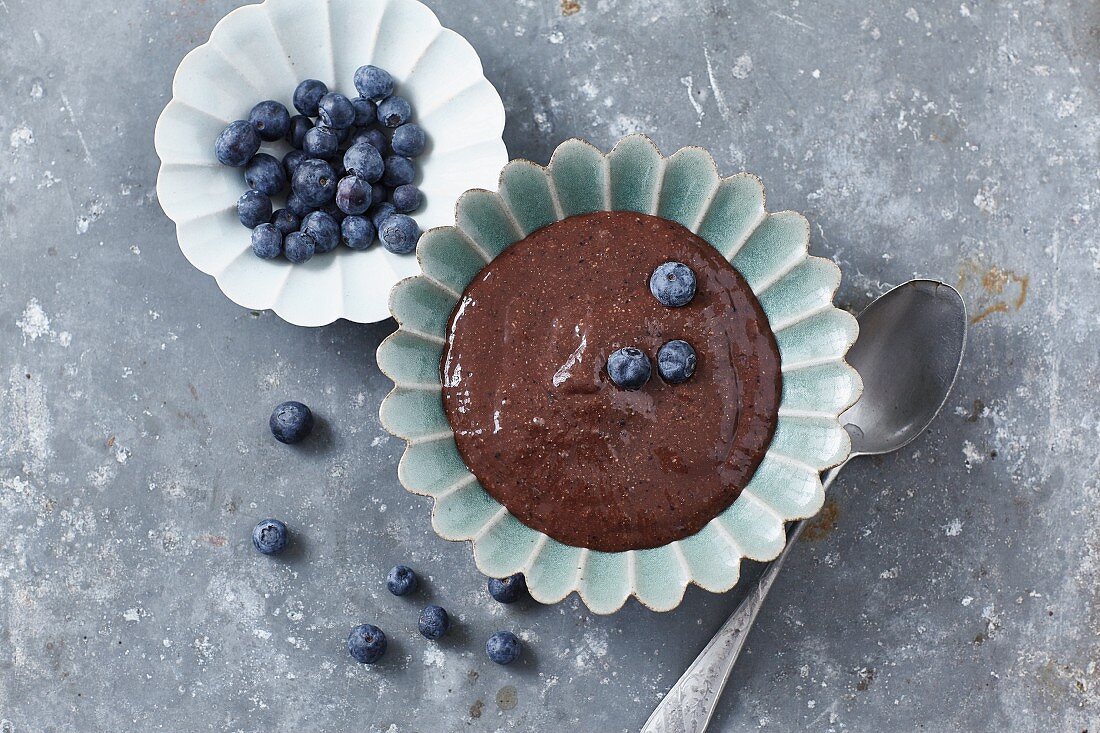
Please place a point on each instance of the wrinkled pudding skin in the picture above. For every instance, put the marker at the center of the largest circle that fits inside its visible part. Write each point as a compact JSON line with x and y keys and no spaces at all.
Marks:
{"x":539,"y":422}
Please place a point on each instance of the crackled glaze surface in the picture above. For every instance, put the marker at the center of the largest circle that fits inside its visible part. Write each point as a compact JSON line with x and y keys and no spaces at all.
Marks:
{"x":546,"y":432}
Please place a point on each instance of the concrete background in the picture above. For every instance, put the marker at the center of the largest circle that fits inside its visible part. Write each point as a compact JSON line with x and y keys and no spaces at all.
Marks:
{"x":953,"y":587}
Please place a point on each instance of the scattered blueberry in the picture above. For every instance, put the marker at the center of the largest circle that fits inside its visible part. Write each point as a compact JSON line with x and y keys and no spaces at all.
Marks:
{"x":334,"y":211}
{"x":394,"y":111}
{"x":364,"y":160}
{"x":297,"y":205}
{"x":357,"y":232}
{"x":398,"y":171}
{"x":409,"y":140}
{"x":299,"y":126}
{"x":399,"y":234}
{"x":307,"y":95}
{"x":236,"y":144}
{"x":376,"y":138}
{"x":366,"y":643}
{"x":265,"y":174}
{"x":315,"y":182}
{"x":321,"y":142}
{"x":253,"y":208}
{"x":267,"y":241}
{"x":629,"y":368}
{"x":406,"y":198}
{"x":291,"y":161}
{"x":508,"y":590}
{"x":373,"y":83}
{"x":676,"y":361}
{"x":271,"y":120}
{"x":269,"y":536}
{"x":503,"y":647}
{"x":353,"y":195}
{"x":378,"y":193}
{"x":286,"y":221}
{"x":298,"y":247}
{"x":434,"y":622}
{"x":673,"y":284}
{"x":365,"y":111}
{"x":322,"y":228}
{"x":401,"y":580}
{"x":291,"y":422}
{"x":336,"y":111}
{"x":379,"y":213}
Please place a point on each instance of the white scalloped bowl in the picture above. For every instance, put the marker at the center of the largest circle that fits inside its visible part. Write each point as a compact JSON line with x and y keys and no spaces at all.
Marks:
{"x":795,"y":290}
{"x":262,"y":51}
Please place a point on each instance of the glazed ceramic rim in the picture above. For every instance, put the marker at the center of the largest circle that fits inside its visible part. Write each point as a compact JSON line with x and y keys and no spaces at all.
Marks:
{"x":770,"y":250}
{"x":261,"y":51}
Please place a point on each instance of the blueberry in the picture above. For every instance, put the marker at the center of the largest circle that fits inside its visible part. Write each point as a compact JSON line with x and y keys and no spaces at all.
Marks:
{"x":267,"y":241}
{"x":286,"y":221}
{"x":376,"y":138}
{"x":315,"y":182}
{"x":503,"y":647}
{"x":334,"y":211}
{"x":265,"y":174}
{"x":394,"y":111}
{"x":399,"y":234}
{"x":269,"y":537}
{"x":307,"y":95}
{"x":291,"y":161}
{"x":365,"y":111}
{"x":399,"y":171}
{"x":508,"y":590}
{"x":434,"y":622}
{"x":676,"y":361}
{"x":253,"y":208}
{"x":373,"y":83}
{"x":236,"y":144}
{"x":298,"y":247}
{"x":299,"y":126}
{"x":321,"y":142}
{"x":357,"y":232}
{"x":323,"y":230}
{"x":364,"y":160}
{"x":673,"y":284}
{"x":409,"y":140}
{"x":378,"y":193}
{"x":271,"y":120}
{"x":291,"y":422}
{"x":336,"y":111}
{"x":366,"y":643}
{"x":297,"y":206}
{"x":353,"y":195}
{"x":406,"y":198}
{"x":401,"y":580}
{"x":629,"y":368}
{"x":379,"y":213}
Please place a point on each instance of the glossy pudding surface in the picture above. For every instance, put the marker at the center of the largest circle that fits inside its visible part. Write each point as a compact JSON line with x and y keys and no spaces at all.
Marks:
{"x":539,"y":422}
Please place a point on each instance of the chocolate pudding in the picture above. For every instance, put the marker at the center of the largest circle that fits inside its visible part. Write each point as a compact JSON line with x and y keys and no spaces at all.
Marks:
{"x":538,"y":420}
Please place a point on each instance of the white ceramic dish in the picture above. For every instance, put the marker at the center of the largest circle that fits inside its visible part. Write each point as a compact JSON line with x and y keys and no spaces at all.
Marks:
{"x":262,"y":51}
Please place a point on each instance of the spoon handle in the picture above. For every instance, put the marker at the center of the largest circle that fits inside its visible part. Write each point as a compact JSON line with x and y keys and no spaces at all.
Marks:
{"x":690,"y":704}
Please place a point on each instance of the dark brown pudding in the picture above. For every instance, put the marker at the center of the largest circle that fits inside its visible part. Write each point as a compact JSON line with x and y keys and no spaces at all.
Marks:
{"x":544,"y":429}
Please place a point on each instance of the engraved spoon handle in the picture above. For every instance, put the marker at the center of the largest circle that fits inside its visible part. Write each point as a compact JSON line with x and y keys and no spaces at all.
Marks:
{"x":689,"y":705}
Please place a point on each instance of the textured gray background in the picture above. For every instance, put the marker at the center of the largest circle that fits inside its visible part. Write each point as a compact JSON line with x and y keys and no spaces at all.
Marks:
{"x":953,"y":587}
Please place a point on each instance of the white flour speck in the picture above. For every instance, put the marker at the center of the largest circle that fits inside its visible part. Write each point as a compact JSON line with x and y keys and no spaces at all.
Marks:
{"x":35,"y":323}
{"x":742,"y":67}
{"x":20,"y":136}
{"x":912,"y":15}
{"x":131,"y":614}
{"x":953,"y":528}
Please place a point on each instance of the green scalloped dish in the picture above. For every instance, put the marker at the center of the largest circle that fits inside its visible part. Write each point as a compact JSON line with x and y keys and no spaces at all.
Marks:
{"x":770,"y":251}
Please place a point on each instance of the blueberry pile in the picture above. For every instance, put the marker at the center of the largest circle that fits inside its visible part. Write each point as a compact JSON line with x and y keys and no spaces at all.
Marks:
{"x":673,"y":285}
{"x":350,"y":170}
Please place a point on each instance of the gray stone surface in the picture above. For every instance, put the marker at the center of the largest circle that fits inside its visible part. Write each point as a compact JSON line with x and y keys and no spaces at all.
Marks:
{"x":953,"y":587}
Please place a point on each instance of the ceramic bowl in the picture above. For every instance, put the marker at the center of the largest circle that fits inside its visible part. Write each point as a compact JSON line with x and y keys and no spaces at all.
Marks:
{"x":769,"y":250}
{"x":262,"y":51}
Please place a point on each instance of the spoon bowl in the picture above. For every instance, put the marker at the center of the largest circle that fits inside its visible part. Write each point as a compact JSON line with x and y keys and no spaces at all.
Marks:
{"x":908,"y":353}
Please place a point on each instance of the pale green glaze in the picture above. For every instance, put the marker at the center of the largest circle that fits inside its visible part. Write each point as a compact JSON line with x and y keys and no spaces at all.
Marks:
{"x":795,"y":291}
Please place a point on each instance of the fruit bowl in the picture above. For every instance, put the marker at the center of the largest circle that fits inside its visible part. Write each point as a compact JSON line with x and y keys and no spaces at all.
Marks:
{"x":795,"y":290}
{"x":262,"y":51}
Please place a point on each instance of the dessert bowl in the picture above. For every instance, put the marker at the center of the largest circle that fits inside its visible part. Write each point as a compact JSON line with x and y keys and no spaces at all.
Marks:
{"x":263,"y":51}
{"x":769,"y":250}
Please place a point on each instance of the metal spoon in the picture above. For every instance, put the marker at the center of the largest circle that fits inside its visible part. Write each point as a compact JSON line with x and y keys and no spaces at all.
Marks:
{"x":908,"y":352}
